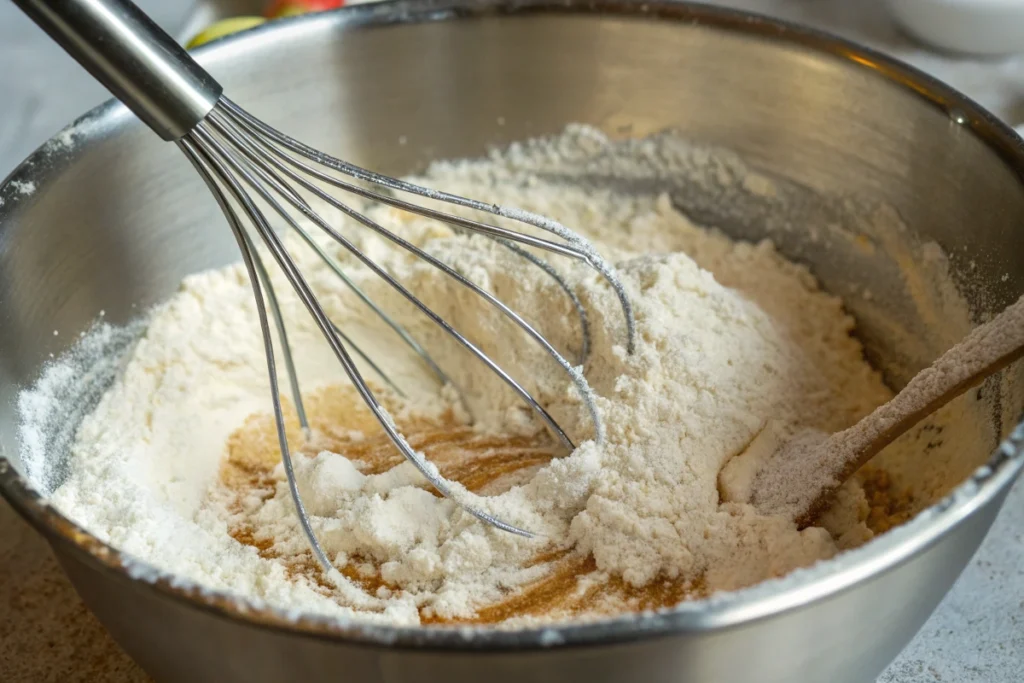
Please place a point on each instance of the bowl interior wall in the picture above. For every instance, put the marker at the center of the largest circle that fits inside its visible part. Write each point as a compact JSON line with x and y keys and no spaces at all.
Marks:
{"x":115,"y":223}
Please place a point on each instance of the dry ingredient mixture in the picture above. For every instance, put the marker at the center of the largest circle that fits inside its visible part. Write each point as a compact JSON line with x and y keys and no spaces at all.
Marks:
{"x":178,"y":464}
{"x":788,"y":479}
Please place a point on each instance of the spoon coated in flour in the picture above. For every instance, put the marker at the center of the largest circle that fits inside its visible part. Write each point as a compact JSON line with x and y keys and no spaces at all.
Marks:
{"x":799,"y":477}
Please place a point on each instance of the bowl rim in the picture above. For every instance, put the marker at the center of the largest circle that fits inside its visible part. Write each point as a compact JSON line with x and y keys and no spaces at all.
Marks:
{"x":729,"y":610}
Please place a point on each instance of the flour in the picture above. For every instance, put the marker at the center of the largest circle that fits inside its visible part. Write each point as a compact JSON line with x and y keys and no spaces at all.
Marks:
{"x":729,"y":336}
{"x":25,"y":187}
{"x":792,"y":477}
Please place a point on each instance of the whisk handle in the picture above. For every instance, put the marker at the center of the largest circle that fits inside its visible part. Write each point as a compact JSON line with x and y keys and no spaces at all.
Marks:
{"x":133,"y":57}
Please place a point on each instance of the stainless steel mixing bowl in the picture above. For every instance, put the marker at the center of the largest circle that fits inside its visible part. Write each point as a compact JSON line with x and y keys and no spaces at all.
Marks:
{"x":117,"y":218}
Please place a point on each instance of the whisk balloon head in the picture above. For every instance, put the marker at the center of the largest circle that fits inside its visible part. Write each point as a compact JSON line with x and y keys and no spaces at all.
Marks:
{"x":247,"y":164}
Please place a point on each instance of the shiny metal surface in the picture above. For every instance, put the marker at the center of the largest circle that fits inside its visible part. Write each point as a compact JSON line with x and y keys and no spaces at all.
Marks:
{"x":242,"y":160}
{"x":133,"y":57}
{"x":116,"y":221}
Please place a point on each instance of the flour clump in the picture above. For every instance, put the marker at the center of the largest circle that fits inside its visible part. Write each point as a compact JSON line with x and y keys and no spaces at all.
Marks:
{"x":178,"y":464}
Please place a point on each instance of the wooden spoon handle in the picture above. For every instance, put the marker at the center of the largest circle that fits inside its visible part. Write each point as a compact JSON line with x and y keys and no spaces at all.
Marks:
{"x":985,"y":351}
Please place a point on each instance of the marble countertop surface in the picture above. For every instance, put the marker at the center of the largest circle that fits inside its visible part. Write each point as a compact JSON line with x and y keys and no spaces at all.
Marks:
{"x":46,"y":634}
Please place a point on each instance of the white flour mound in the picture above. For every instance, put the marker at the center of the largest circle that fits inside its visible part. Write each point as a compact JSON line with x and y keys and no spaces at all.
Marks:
{"x":721,"y":349}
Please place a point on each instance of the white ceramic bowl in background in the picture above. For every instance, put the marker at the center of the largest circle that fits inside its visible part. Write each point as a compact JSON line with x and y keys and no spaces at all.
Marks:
{"x":981,"y":27}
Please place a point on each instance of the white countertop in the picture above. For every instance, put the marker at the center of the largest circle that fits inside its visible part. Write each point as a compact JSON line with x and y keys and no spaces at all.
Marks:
{"x":976,"y":635}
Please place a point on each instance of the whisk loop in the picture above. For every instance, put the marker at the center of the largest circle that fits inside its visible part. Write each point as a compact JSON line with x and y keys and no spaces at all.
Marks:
{"x":243,"y":159}
{"x":246,"y":162}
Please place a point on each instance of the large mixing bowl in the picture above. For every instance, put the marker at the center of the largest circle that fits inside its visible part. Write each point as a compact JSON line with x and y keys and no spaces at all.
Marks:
{"x":109,"y":218}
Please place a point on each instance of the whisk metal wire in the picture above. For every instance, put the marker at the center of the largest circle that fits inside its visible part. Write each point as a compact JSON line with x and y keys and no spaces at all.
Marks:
{"x":244,"y":160}
{"x":247,"y":163}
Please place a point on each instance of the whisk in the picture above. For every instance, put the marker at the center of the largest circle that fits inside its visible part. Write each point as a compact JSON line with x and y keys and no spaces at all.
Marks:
{"x":247,"y":163}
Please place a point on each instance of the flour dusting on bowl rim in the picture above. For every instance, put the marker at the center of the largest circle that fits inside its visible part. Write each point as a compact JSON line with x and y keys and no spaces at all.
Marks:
{"x":716,"y":612}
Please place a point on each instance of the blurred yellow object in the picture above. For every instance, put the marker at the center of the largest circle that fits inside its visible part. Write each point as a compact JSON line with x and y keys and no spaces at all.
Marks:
{"x":224,"y":27}
{"x":291,"y":11}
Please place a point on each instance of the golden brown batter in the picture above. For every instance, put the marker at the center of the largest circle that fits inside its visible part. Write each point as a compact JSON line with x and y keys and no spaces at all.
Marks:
{"x":573,"y":585}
